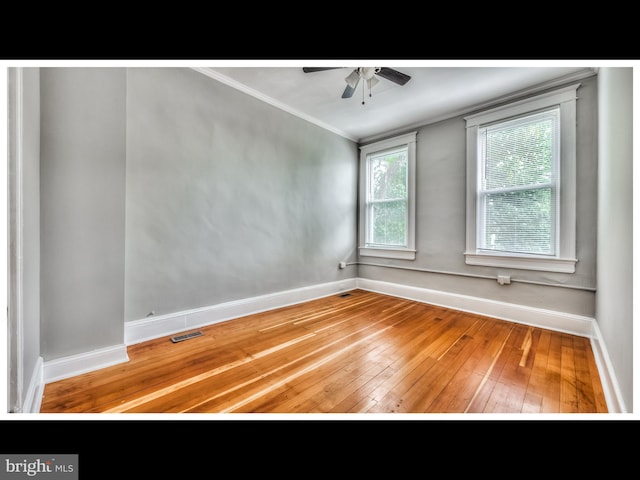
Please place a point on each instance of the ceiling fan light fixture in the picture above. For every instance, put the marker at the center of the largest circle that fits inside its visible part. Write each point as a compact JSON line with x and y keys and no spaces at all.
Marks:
{"x":368,"y":75}
{"x":368,"y":72}
{"x":372,"y":82}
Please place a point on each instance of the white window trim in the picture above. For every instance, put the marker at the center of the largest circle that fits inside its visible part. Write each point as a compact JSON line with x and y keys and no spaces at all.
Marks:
{"x":408,"y":253}
{"x":565,"y":258}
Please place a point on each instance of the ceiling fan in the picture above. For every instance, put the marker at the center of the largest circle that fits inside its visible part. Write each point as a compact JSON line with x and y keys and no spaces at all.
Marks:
{"x":368,"y":75}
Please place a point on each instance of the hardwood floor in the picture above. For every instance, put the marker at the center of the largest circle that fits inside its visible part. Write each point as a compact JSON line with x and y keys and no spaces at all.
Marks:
{"x":360,"y":353}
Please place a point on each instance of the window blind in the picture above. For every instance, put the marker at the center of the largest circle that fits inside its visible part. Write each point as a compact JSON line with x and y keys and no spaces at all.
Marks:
{"x":518,"y":184}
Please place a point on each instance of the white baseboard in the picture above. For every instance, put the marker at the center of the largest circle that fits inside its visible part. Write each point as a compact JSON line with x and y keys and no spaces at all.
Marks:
{"x":73,"y":365}
{"x":615,"y":402}
{"x":153,"y":327}
{"x":33,"y":398}
{"x":553,"y":320}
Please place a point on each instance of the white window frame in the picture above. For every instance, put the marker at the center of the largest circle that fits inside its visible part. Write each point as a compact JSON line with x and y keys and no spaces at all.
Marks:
{"x":368,"y":250}
{"x":564,"y":259}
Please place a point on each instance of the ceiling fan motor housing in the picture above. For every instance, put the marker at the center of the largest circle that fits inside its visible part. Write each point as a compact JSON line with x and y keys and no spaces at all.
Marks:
{"x":369,"y":74}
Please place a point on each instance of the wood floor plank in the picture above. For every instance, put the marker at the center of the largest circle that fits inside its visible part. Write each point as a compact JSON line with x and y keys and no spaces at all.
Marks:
{"x":510,"y":388}
{"x":461,"y":389}
{"x":298,"y":388}
{"x":492,"y":367}
{"x":423,"y":394}
{"x":324,"y":352}
{"x":536,"y":386}
{"x":505,"y":398}
{"x":584,"y":388}
{"x":551,"y":396}
{"x":337,"y":382}
{"x":568,"y":383}
{"x":361,"y":353}
{"x":419,"y":380}
{"x":316,"y":390}
{"x":386,"y":396}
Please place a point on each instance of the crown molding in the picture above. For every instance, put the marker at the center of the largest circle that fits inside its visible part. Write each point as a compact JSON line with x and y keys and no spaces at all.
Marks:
{"x":211,"y":73}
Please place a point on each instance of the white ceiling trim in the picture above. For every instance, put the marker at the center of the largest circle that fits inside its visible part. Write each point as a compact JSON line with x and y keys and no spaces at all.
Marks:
{"x":265,"y":98}
{"x":210,"y":72}
{"x":587,"y":72}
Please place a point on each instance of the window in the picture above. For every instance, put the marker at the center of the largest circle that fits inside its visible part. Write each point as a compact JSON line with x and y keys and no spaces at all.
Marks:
{"x":387,"y":210}
{"x":521,"y":184}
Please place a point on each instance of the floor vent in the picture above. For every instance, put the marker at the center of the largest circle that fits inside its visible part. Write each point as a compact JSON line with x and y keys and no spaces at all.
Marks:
{"x":186,"y":336}
{"x":345,"y":295}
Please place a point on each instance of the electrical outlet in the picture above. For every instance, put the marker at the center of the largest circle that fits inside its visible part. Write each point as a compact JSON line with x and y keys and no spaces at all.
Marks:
{"x":504,"y":279}
{"x":343,"y":265}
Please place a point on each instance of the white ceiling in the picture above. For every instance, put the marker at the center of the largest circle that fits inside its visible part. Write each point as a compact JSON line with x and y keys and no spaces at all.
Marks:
{"x":433,"y":93}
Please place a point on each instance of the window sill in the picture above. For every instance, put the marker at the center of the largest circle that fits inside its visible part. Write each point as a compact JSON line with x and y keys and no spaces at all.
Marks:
{"x":402,"y":254}
{"x":545,"y":264}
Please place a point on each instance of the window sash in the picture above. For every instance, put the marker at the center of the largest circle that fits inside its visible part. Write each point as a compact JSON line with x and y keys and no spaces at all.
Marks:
{"x":372,"y":223}
{"x":371,"y":203}
{"x":526,"y":232}
{"x":532,"y":241}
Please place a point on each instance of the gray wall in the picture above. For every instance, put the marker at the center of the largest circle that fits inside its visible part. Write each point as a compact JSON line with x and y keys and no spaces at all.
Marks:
{"x":228,"y":197}
{"x":24,"y":331}
{"x":82,"y":209}
{"x":614,"y":299}
{"x":222,"y":196}
{"x":441,"y":224}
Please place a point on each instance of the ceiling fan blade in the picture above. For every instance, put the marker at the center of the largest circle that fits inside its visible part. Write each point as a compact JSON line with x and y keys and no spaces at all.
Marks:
{"x":394,"y":75}
{"x":317,"y":69}
{"x":348,"y":91}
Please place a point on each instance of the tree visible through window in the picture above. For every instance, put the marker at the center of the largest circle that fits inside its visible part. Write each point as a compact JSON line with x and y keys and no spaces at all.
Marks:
{"x":387,"y":198}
